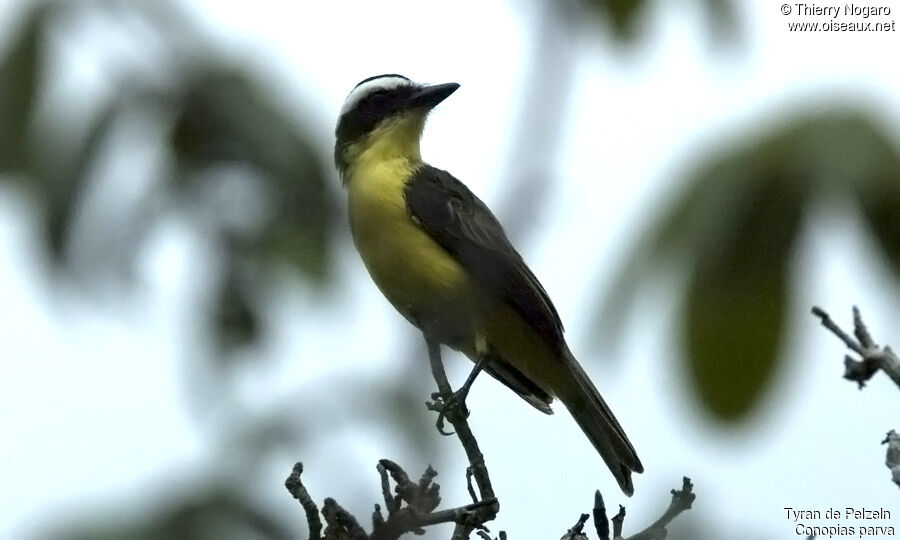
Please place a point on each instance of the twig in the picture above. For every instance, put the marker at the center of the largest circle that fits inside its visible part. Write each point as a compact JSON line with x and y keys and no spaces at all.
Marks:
{"x":892,"y":460}
{"x":295,"y":486}
{"x":454,"y":411}
{"x":469,"y":487}
{"x":390,"y":502}
{"x":410,"y":507}
{"x":873,"y":357}
{"x":341,"y":523}
{"x":577,"y":530}
{"x":601,"y":523}
{"x":618,"y":521}
{"x":682,"y":500}
{"x":485,"y":536}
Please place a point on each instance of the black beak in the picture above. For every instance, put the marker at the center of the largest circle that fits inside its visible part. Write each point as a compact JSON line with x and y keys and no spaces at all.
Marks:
{"x":429,"y":96}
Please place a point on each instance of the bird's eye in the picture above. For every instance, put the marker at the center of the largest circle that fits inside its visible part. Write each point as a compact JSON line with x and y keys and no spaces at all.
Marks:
{"x":456,"y":203}
{"x":377,"y":98}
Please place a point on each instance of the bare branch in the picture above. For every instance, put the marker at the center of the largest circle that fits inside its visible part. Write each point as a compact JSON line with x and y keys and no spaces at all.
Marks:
{"x":601,"y":523}
{"x":828,"y":323}
{"x":873,"y":357}
{"x":485,"y":536}
{"x":453,"y":408}
{"x":618,"y":521}
{"x":682,"y":500}
{"x":860,"y":330}
{"x":577,"y":530}
{"x":390,"y":503}
{"x":892,"y":460}
{"x":341,"y":525}
{"x":411,"y":505}
{"x":298,"y":490}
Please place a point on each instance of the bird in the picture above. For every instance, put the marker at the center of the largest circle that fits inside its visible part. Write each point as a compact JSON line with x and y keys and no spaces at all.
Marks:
{"x":443,"y":260}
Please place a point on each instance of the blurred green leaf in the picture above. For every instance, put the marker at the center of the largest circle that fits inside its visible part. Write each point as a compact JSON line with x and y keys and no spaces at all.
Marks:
{"x":236,"y":320}
{"x":626,"y":18}
{"x":213,"y":513}
{"x":227,"y":117}
{"x":18,"y":87}
{"x":722,"y":21}
{"x":61,"y":175}
{"x":732,"y":230}
{"x":881,"y":208}
{"x":623,"y":15}
{"x":736,"y":301}
{"x":879,"y":200}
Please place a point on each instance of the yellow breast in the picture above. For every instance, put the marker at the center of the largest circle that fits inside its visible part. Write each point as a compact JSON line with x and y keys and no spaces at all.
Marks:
{"x":412,"y":270}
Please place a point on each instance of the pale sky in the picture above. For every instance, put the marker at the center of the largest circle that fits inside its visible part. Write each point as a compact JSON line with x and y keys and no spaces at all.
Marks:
{"x":106,"y":415}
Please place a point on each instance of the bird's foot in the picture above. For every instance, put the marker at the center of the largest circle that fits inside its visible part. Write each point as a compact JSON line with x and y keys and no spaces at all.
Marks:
{"x":449,"y":407}
{"x":453,"y":406}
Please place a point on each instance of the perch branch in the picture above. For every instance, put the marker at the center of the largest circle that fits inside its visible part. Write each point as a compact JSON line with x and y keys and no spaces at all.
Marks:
{"x":682,"y":499}
{"x":454,"y":410}
{"x":295,"y":486}
{"x":872,"y":356}
{"x":411,"y":505}
{"x":618,"y":521}
{"x":341,"y":524}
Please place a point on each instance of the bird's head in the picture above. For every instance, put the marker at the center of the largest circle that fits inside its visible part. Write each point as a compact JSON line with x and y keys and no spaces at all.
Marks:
{"x":384,"y":117}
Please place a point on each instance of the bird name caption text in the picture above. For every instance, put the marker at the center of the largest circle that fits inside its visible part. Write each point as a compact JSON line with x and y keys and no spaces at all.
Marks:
{"x":840,"y":522}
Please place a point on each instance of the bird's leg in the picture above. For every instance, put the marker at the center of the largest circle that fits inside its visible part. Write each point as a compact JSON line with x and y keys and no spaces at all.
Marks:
{"x":481,"y":349}
{"x":446,"y":401}
{"x":463,"y":391}
{"x":455,"y":402}
{"x":442,"y":396}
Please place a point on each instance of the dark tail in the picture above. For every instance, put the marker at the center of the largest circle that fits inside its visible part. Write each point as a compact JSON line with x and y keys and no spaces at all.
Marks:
{"x":584,"y":402}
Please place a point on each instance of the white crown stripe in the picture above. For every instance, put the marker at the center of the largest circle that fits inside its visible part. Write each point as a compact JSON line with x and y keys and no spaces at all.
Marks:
{"x":381,"y":83}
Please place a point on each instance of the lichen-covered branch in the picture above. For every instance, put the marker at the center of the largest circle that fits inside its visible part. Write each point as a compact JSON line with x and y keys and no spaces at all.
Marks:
{"x":601,"y":523}
{"x":341,"y":524}
{"x":453,"y":409}
{"x":295,"y":486}
{"x":872,"y":357}
{"x":577,"y":530}
{"x":892,"y":460}
{"x":682,"y":499}
{"x":411,"y":506}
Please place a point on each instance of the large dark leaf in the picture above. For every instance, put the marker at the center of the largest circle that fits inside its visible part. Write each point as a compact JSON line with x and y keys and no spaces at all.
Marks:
{"x":878,"y":193}
{"x":623,"y":15}
{"x":732,"y":231}
{"x":60,"y":175}
{"x":211,"y":512}
{"x":18,"y":86}
{"x":236,"y":319}
{"x":881,"y":207}
{"x":228,"y":118}
{"x":626,"y":17}
{"x":736,"y":301}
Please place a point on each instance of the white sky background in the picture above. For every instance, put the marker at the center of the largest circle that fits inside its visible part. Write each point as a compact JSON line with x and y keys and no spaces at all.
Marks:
{"x":106,"y":416}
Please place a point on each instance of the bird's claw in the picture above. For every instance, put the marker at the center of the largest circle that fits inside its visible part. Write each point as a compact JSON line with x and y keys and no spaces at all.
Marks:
{"x":448,"y":407}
